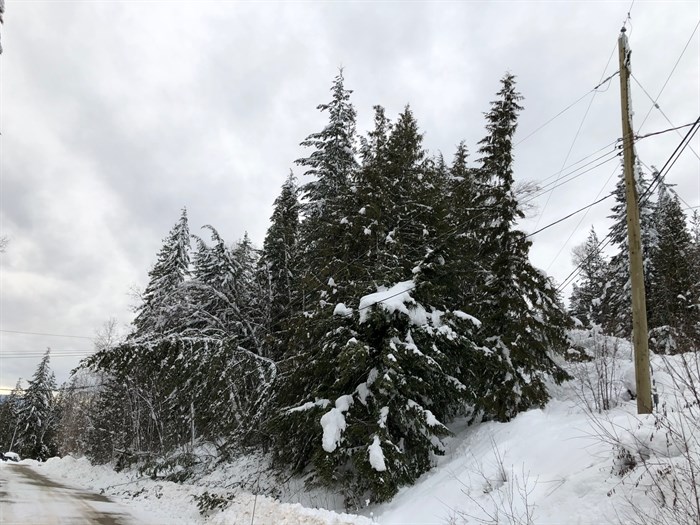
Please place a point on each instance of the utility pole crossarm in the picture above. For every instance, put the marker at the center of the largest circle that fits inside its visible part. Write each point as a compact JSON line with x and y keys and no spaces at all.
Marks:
{"x":639,"y":311}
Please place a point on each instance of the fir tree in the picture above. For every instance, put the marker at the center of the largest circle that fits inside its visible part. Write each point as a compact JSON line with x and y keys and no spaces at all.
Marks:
{"x":366,"y":403}
{"x":215,"y":289}
{"x":250,"y":295}
{"x":619,"y":320}
{"x":413,"y":216}
{"x":463,"y":239}
{"x":325,"y":229}
{"x":589,"y":296}
{"x":523,"y":317}
{"x":9,"y":415}
{"x":372,"y":199}
{"x":163,"y":302}
{"x":670,"y":302}
{"x":277,"y":261}
{"x":38,"y":415}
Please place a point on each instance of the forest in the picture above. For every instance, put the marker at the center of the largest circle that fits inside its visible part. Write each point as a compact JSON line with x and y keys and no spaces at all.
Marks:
{"x":393,"y":293}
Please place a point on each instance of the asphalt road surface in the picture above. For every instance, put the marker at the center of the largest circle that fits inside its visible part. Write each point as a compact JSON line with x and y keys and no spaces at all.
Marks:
{"x":28,"y":498}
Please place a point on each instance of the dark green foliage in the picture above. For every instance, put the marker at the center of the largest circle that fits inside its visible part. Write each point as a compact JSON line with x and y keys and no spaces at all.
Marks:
{"x":208,"y":503}
{"x":522,"y":315}
{"x":324,"y":251}
{"x":277,"y":269}
{"x":389,"y":376}
{"x":164,"y":306}
{"x":387,"y":372}
{"x":590,"y":296}
{"x":672,"y":302}
{"x":9,"y":415}
{"x":185,"y":389}
{"x":619,"y":319}
{"x":396,"y":296}
{"x":78,"y":404}
{"x":37,"y":417}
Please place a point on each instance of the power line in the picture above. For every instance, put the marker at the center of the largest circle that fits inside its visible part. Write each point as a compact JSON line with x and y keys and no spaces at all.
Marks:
{"x":637,"y":138}
{"x":571,"y":177}
{"x":655,"y":105}
{"x":644,"y":197}
{"x":675,"y":155}
{"x":581,"y":220}
{"x":568,"y":216}
{"x":567,"y":108}
{"x":47,"y":334}
{"x":652,"y":170}
{"x":654,"y":101}
{"x":583,"y":120}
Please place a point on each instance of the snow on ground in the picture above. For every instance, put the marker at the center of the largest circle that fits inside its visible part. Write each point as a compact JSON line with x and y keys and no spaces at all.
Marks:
{"x":177,"y":502}
{"x":550,"y":466}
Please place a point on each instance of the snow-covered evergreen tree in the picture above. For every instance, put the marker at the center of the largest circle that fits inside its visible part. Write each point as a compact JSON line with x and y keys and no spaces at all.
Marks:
{"x":671,"y":305}
{"x":589,"y":296}
{"x":38,"y":415}
{"x":463,"y":240}
{"x":372,"y":198}
{"x":9,"y":415}
{"x":164,"y":304}
{"x":365,"y":404}
{"x":77,"y":404}
{"x":277,"y":269}
{"x":619,"y":320}
{"x":251,"y":296}
{"x":522,"y":314}
{"x":325,"y":252}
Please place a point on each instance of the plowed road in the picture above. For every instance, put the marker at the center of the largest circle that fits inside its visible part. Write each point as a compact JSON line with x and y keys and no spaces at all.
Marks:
{"x":28,"y":498}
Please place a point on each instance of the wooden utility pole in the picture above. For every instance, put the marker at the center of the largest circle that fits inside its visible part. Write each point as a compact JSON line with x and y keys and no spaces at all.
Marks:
{"x":639,"y":308}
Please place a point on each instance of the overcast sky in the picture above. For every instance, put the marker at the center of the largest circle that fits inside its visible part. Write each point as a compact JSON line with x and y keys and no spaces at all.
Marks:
{"x":116,"y":114}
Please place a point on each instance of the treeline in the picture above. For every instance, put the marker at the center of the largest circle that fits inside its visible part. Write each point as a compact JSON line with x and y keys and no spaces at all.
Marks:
{"x":671,"y":255}
{"x":393,"y":293}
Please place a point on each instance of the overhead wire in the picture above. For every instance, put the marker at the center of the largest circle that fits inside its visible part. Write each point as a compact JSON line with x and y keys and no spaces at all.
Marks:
{"x":569,"y":178}
{"x":47,"y":334}
{"x":583,"y":120}
{"x":674,"y":128}
{"x":578,"y":225}
{"x":668,"y":78}
{"x":646,"y":195}
{"x":637,"y":138}
{"x":567,"y":108}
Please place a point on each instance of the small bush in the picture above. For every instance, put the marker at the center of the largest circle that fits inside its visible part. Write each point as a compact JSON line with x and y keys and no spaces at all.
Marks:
{"x":208,"y":503}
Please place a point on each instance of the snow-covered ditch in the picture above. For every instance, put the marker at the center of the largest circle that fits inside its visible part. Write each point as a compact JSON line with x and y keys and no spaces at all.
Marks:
{"x":571,"y":462}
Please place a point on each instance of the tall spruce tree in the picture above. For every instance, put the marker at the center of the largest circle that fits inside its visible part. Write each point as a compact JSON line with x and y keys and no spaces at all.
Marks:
{"x":466,"y":193}
{"x":250,"y":295}
{"x":672,"y":307}
{"x":325,"y":250}
{"x":164,"y":304}
{"x":589,"y":296}
{"x":412,"y":216}
{"x":619,"y":320}
{"x":215,"y":309}
{"x":372,"y":184}
{"x":9,"y":415}
{"x":522,"y":314}
{"x":695,"y":263}
{"x":38,"y":415}
{"x":277,"y":269}
{"x":365,"y":405}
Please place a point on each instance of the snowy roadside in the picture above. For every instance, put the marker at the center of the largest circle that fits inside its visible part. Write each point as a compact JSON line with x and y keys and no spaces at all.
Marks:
{"x":564,"y":464}
{"x":177,"y":501}
{"x":28,"y":498}
{"x":550,"y":466}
